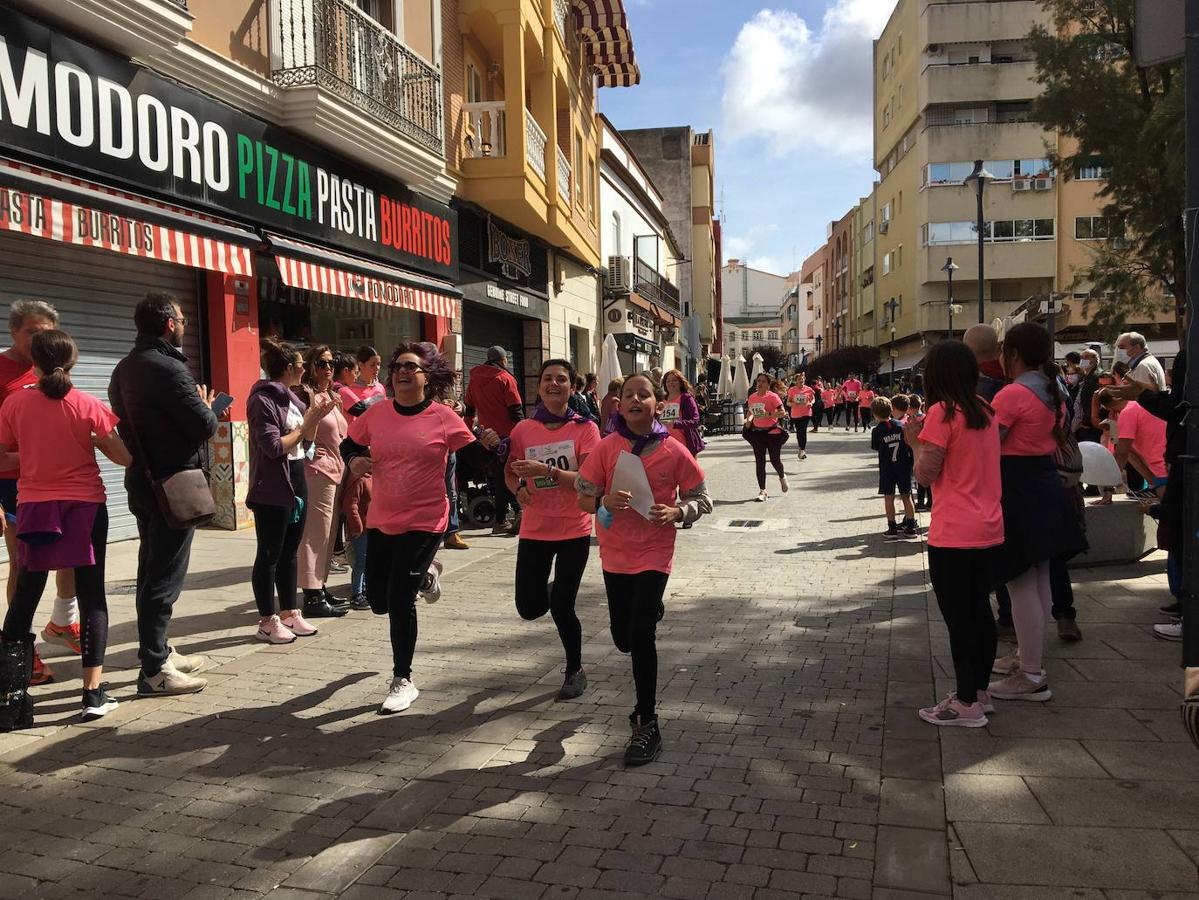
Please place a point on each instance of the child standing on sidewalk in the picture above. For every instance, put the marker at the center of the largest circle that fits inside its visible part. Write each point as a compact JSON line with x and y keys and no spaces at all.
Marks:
{"x":924,"y":493}
{"x":894,"y":468}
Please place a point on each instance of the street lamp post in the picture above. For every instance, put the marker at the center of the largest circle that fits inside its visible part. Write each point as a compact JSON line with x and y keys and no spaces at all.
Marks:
{"x":819,"y":344}
{"x":837,"y":331}
{"x":891,"y":305}
{"x":949,"y":268}
{"x":978,"y":179}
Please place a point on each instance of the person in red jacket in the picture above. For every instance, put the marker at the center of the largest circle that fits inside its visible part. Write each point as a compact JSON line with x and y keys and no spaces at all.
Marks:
{"x":493,"y":397}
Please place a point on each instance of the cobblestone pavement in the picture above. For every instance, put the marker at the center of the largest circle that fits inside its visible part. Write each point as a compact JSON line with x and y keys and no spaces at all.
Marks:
{"x":793,"y":656}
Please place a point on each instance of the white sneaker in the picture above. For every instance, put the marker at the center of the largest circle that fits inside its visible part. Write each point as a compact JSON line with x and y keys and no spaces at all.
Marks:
{"x":762,"y":495}
{"x":1171,"y":631}
{"x":400,"y":696}
{"x":803,"y":454}
{"x":783,"y":486}
{"x":431,"y":589}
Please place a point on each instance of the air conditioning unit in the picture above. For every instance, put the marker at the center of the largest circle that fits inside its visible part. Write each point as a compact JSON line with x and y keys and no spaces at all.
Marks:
{"x":884,"y":227}
{"x":1043,"y":183}
{"x":620,"y":275}
{"x":1021,"y":184}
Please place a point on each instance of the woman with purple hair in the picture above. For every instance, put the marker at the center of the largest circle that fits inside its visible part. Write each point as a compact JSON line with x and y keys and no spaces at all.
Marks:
{"x":405,"y":444}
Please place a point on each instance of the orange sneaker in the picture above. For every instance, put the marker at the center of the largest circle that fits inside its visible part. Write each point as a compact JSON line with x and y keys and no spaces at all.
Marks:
{"x":41,"y":671}
{"x":66,"y":635}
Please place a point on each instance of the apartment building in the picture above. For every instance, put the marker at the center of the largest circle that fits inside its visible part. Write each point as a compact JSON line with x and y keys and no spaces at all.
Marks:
{"x":811,"y":288}
{"x":279,"y":166}
{"x":796,"y":321}
{"x":841,"y":288}
{"x":864,"y":315}
{"x":524,"y":144}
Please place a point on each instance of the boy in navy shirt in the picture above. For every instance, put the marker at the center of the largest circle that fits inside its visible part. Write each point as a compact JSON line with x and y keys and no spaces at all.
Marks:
{"x":895,"y":460}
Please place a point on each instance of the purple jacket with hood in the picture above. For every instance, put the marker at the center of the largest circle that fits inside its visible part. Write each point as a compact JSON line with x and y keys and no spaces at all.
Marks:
{"x":266,"y":415}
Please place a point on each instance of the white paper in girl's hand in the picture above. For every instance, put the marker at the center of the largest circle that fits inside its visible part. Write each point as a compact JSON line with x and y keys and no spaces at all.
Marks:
{"x":629,"y":475}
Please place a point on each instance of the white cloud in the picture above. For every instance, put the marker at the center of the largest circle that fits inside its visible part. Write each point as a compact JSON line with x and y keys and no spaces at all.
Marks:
{"x":742,"y":247}
{"x":799,"y":89}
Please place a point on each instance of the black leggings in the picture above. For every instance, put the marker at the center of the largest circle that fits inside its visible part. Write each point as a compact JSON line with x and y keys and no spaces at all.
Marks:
{"x":535,"y":596}
{"x":961,"y":580}
{"x":395,"y":569}
{"x":764,"y":442}
{"x":89,"y":587}
{"x":274,"y":575}
{"x":924,"y":495}
{"x":831,"y":413}
{"x":800,"y":427}
{"x":817,"y":416}
{"x":633,"y":604}
{"x":851,"y":414}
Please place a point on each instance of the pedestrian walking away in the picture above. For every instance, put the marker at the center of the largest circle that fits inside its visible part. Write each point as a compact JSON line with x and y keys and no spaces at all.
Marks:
{"x":282,"y":429}
{"x":62,"y":521}
{"x":800,"y":398}
{"x":544,"y":456}
{"x":637,"y":552}
{"x":166,"y":422}
{"x":763,"y":432}
{"x":956,"y":447}
{"x":323,"y":474}
{"x":894,"y":469}
{"x":405,"y":444}
{"x":1039,"y":521}
{"x":27,"y":318}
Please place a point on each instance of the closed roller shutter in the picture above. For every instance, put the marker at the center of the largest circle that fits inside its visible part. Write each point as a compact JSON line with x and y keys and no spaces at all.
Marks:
{"x":95,"y":292}
{"x":482,"y":328}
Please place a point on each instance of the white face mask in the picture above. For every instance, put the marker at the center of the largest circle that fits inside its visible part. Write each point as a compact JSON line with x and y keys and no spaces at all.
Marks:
{"x":1121,"y":355}
{"x":1086,"y":365}
{"x":1072,"y":380}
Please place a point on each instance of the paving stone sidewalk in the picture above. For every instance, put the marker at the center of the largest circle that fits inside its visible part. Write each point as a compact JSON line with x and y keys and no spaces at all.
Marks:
{"x":792,"y":658}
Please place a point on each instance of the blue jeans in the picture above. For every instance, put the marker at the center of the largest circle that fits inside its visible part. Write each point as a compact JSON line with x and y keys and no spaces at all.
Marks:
{"x":451,"y":492}
{"x":356,"y":552}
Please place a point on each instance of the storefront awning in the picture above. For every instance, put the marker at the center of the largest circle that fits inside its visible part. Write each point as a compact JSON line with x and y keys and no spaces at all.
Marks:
{"x":312,"y":268}
{"x":603,"y":28}
{"x":47,"y":204}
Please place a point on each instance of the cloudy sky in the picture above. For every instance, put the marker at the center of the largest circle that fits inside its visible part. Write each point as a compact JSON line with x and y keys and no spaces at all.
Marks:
{"x":786,"y":88}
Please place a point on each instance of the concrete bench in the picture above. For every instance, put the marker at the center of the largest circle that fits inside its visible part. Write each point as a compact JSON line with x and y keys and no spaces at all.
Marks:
{"x":1119,"y":533}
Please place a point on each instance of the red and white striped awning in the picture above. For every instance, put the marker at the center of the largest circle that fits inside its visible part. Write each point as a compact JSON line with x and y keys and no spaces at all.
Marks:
{"x":97,"y":216}
{"x":311,"y":268}
{"x":604,"y":30}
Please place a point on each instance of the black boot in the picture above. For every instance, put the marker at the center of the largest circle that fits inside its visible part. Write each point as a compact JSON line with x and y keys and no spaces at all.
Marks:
{"x":646,"y":743}
{"x":16,"y":668}
{"x":333,"y":601}
{"x":317,"y":607}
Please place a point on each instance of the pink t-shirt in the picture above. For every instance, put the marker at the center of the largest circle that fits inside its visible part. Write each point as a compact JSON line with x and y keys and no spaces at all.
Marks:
{"x":967,"y":512}
{"x":762,"y":407}
{"x":1028,"y":421}
{"x":553,"y":513}
{"x":1148,"y":436}
{"x":633,"y":544}
{"x":801,"y":400}
{"x":54,"y":440}
{"x":828,"y":397}
{"x":352,"y":393}
{"x":409,"y":453}
{"x":865,"y":398}
{"x":852,"y":388}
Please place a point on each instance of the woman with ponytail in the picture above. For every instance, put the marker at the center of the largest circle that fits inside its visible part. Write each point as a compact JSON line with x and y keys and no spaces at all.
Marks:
{"x":636,"y":550}
{"x":1039,"y":523}
{"x":53,"y":431}
{"x":544,"y":456}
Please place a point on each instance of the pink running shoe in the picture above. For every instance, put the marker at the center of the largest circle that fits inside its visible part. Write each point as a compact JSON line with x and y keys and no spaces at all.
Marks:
{"x":953,"y":712}
{"x":984,"y":697}
{"x":1021,"y":686}
{"x":298,"y":625}
{"x":273,"y":631}
{"x":1007,"y":665}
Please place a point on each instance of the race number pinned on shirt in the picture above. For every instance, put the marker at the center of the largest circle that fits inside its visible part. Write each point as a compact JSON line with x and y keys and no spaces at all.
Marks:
{"x":670,"y":412}
{"x":559,"y":455}
{"x":758,"y":410}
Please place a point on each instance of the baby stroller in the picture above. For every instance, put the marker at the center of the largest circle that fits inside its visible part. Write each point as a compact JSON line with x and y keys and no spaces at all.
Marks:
{"x":476,"y":500}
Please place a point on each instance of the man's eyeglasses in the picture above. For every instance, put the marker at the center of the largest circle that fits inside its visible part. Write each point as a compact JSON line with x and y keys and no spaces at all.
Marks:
{"x":408,"y":368}
{"x":324,"y":364}
{"x":182,"y":320}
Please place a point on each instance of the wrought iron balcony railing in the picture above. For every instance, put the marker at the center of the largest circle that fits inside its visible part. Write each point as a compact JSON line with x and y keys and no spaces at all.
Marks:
{"x":336,"y":46}
{"x":654,"y":287}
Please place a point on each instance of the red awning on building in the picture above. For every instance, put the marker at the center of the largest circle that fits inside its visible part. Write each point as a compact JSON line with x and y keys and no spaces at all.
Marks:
{"x":604,"y":31}
{"x":312,"y":268}
{"x":47,"y":204}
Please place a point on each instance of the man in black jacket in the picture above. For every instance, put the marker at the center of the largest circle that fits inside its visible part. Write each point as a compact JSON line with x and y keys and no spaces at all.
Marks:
{"x":166,"y":418}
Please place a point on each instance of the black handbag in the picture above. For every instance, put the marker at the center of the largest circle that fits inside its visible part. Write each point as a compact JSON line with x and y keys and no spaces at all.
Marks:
{"x":184,"y":499}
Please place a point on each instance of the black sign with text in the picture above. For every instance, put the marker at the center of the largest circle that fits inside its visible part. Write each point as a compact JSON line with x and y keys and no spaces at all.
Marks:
{"x":63,"y":102}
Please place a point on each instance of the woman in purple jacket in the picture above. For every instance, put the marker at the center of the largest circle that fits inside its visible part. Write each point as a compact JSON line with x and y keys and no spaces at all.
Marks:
{"x":282,"y":428}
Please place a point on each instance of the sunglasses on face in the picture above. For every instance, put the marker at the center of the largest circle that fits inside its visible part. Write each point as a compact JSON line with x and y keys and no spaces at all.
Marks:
{"x":324,"y":364}
{"x":408,"y":368}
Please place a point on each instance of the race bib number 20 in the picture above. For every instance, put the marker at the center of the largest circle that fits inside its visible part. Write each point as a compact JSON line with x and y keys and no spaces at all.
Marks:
{"x":560,"y":455}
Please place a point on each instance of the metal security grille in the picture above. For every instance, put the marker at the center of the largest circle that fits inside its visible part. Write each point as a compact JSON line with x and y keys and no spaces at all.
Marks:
{"x":95,"y":292}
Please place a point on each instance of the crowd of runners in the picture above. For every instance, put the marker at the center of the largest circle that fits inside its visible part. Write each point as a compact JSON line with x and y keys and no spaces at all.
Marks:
{"x":368,"y":449}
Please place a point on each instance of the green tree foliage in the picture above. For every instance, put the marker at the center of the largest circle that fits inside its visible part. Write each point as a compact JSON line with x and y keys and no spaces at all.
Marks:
{"x":839,"y":364}
{"x":1132,"y":120}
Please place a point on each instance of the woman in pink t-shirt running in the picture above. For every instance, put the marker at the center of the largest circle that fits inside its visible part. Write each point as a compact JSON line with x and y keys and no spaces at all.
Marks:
{"x":544,"y":456}
{"x":637,"y":547}
{"x":405,"y":444}
{"x":764,"y":414}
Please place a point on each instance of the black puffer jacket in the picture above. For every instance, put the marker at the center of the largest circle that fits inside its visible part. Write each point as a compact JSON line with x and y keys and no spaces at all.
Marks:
{"x":152,"y":390}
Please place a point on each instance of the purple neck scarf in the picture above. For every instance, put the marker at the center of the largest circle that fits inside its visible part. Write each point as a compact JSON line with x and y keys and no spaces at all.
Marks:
{"x":641,"y":441}
{"x":545,"y":417}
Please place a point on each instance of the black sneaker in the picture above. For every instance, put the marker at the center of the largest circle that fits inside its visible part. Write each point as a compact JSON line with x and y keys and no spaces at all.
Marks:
{"x":574,"y":685}
{"x":1067,"y":630}
{"x":892,"y":531}
{"x":1174,"y":609}
{"x":97,"y":703}
{"x":910,"y":529}
{"x":359,"y":602}
{"x":646,"y":743}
